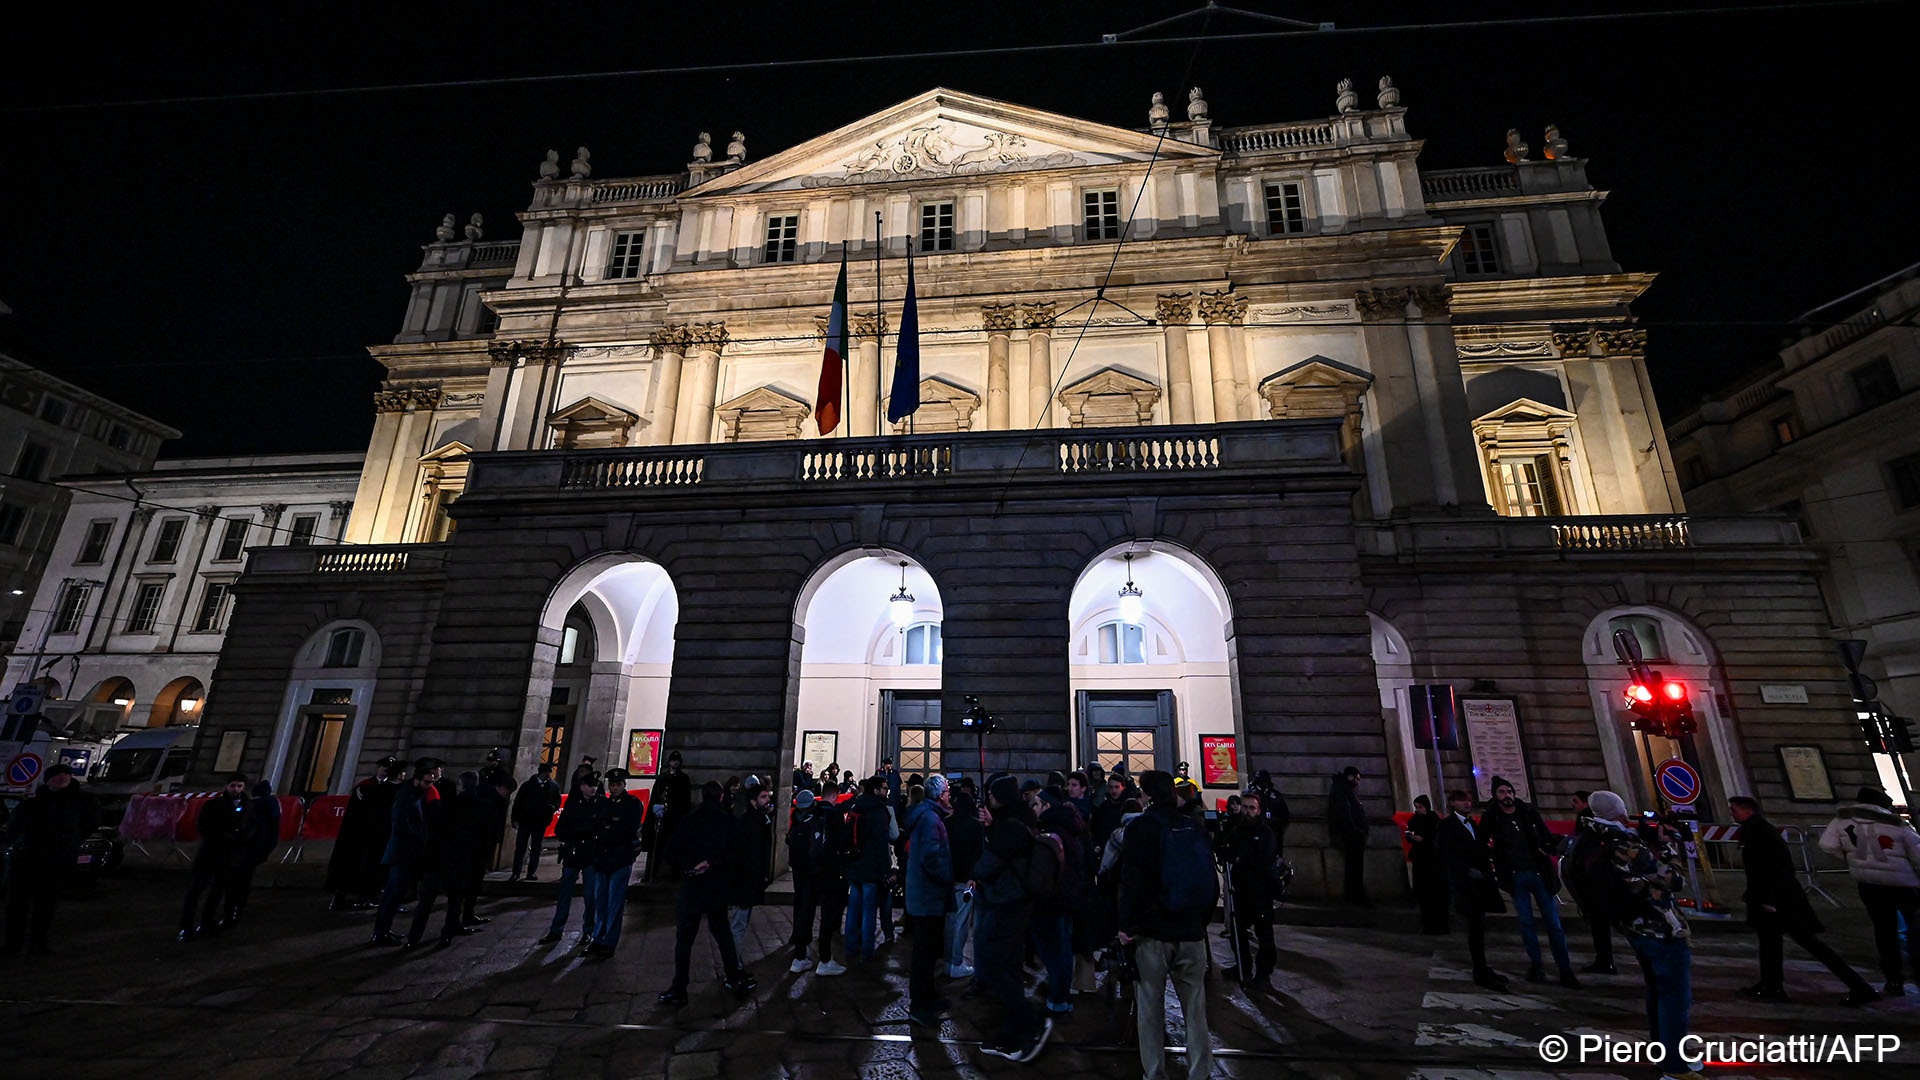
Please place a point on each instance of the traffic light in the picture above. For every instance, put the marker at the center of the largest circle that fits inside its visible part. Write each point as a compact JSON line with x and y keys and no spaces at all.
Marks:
{"x":1643,"y":701}
{"x":1677,"y":709}
{"x":1900,"y":737}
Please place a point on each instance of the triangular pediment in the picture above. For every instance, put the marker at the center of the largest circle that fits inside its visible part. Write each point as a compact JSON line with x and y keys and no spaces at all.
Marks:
{"x":452,"y":451}
{"x":590,"y":410}
{"x":1526,"y":410}
{"x":1111,"y":381}
{"x":945,"y":133}
{"x":1318,"y":371}
{"x":764,"y":399}
{"x":932,"y":390}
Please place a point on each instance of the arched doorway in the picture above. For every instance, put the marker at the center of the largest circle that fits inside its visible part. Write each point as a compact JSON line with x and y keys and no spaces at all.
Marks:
{"x":868,"y":626}
{"x":323,"y":718}
{"x":178,"y":702}
{"x":602,"y":668}
{"x":1678,"y":650}
{"x":1150,"y":656}
{"x":110,"y":705}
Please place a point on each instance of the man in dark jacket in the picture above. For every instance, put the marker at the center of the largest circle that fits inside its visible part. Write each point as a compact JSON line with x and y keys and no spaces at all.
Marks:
{"x":45,"y":833}
{"x":1777,"y":907}
{"x":699,"y":852}
{"x":870,"y":856}
{"x":1522,"y":848}
{"x":533,"y":808}
{"x":819,"y":892}
{"x":1463,"y":851}
{"x":459,"y":830}
{"x":1250,"y":857}
{"x":574,"y":832}
{"x":353,"y":870}
{"x":616,"y":844}
{"x":1166,"y":943}
{"x":1347,"y":822}
{"x":1054,"y":918}
{"x":1106,"y":816}
{"x":406,"y":850}
{"x":263,"y":837}
{"x":749,"y":862}
{"x":672,"y":801}
{"x":929,"y":891}
{"x":1273,"y":807}
{"x":1002,"y":911}
{"x":225,"y":826}
{"x":1582,"y":870}
{"x":966,"y":838}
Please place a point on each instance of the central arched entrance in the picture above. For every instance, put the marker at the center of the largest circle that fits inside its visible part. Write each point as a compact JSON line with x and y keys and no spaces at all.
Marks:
{"x":602,"y":667}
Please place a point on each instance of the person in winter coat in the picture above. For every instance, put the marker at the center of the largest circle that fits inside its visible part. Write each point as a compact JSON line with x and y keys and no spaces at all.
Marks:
{"x":819,"y":892}
{"x":406,"y":851}
{"x":1429,"y":876}
{"x":750,"y":861}
{"x":1002,"y":910}
{"x":1522,"y":849}
{"x":533,"y":808}
{"x":1470,"y":880}
{"x":1883,"y":855}
{"x":1106,"y":817}
{"x":579,"y":823}
{"x":1777,"y":908}
{"x":265,"y":836}
{"x":870,"y":824}
{"x":353,"y":870}
{"x":1639,"y":887}
{"x":1347,"y":822}
{"x":1578,"y":869}
{"x":1054,"y":919}
{"x":929,"y":892}
{"x":672,"y":795}
{"x":966,"y":838}
{"x":700,"y":852}
{"x":1273,"y":807}
{"x":616,"y":844}
{"x":45,"y":834}
{"x":459,"y":831}
{"x":1168,"y":942}
{"x":1250,"y":859}
{"x":225,"y":827}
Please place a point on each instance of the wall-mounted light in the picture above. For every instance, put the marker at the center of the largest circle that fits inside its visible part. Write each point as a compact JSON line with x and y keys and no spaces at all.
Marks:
{"x":189,"y":704}
{"x":123,"y":702}
{"x":900,"y":606}
{"x":1133,"y":608}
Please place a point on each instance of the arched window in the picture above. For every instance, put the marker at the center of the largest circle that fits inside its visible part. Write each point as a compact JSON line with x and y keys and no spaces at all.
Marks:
{"x":1645,"y":630}
{"x":577,"y":645}
{"x":1122,"y":643}
{"x":922,"y":645}
{"x":343,"y":648}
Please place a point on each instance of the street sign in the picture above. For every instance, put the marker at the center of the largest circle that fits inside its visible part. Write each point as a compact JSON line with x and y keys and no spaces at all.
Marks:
{"x":26,"y":700}
{"x":24,"y":769}
{"x":1677,"y":781}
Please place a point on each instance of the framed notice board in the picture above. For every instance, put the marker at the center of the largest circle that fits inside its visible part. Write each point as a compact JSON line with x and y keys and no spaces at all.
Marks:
{"x":1493,"y":739}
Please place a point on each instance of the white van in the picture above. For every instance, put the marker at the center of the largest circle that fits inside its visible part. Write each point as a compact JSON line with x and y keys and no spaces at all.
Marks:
{"x":144,"y":761}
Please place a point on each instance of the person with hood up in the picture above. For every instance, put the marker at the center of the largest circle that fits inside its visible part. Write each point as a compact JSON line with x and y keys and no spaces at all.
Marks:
{"x":1347,"y":822}
{"x":45,"y":833}
{"x":1883,"y":856}
{"x":819,"y":892}
{"x":699,"y":853}
{"x":264,"y":837}
{"x":929,"y":894}
{"x":1777,"y":908}
{"x":1002,"y":911}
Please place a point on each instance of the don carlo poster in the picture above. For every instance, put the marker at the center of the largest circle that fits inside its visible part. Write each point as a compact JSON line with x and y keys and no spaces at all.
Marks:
{"x":643,"y":752}
{"x":1219,"y":762}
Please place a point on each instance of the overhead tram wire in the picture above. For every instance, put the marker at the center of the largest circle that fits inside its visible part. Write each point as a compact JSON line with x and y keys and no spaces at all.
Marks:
{"x":1110,"y":41}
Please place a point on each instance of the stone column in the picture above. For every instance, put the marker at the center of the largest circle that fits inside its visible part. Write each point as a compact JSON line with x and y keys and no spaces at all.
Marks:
{"x":864,"y":380}
{"x":493,"y":402}
{"x":415,"y":406}
{"x":373,"y":472}
{"x":1436,"y":359}
{"x":999,"y":322}
{"x":1039,"y":320}
{"x":707,"y":341}
{"x":1173,"y":311}
{"x":669,"y":352}
{"x":1223,"y":312}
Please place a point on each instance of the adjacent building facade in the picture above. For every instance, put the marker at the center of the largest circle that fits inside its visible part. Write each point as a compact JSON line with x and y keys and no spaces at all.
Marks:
{"x":1228,"y":438}
{"x":128,"y":621}
{"x":50,"y":428}
{"x":1828,"y":436}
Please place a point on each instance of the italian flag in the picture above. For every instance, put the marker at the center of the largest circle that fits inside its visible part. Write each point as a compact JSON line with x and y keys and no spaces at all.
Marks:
{"x":826,"y":405}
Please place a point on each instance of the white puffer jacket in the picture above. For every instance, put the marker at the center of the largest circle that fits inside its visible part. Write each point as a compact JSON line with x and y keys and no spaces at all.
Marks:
{"x":1881,"y":849}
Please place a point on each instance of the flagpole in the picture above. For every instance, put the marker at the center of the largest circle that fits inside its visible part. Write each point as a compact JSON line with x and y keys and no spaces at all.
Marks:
{"x":879,"y":325}
{"x":846,"y":360}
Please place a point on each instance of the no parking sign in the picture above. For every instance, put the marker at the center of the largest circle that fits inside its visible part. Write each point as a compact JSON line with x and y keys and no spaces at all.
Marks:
{"x":1677,"y":781}
{"x":24,"y":769}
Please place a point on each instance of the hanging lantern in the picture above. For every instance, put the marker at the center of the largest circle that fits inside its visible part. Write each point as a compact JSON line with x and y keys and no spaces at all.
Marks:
{"x":900,"y":607}
{"x":1133,"y":609}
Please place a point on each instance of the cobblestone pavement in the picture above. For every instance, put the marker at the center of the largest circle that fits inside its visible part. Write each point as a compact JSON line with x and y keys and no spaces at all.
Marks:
{"x":295,"y":993}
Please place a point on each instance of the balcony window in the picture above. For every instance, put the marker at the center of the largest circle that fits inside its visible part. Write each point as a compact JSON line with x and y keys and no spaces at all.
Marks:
{"x":1100,"y":214}
{"x":304,"y":526}
{"x":146,"y":607}
{"x":72,"y":606}
{"x":1528,"y":484}
{"x":1874,"y":382}
{"x":166,"y":546}
{"x":628,"y":255}
{"x":936,"y":226}
{"x":1477,"y":255}
{"x":1286,"y":211}
{"x":213,"y":608}
{"x":783,"y":238}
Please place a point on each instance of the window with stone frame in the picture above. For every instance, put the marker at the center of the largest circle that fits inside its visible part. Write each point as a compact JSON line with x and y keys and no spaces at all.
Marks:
{"x":1100,"y":214}
{"x":71,"y":607}
{"x":1903,"y":480}
{"x":1527,"y":453}
{"x":304,"y":528}
{"x":233,"y":539}
{"x":1478,"y":256}
{"x":936,"y":226}
{"x":93,"y":549}
{"x":343,"y":648}
{"x":1529,"y":486}
{"x":13,"y":524}
{"x":213,"y":607}
{"x":32,"y":462}
{"x":783,"y":238}
{"x":1122,"y":643}
{"x":1286,"y":209}
{"x":1874,"y":382}
{"x":1646,"y":632}
{"x":629,"y":254}
{"x":166,"y":546}
{"x":146,"y":607}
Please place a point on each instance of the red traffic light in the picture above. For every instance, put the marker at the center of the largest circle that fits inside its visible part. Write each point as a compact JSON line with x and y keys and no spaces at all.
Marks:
{"x":1639,"y":694}
{"x":1674,"y":691}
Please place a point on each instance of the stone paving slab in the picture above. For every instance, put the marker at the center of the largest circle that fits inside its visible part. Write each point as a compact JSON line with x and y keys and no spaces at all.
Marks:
{"x":295,"y":992}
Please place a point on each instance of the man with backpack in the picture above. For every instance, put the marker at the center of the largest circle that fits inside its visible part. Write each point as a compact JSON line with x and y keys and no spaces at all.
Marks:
{"x":867,"y":854}
{"x":929,"y":891}
{"x":818,"y":888}
{"x":1054,"y":917}
{"x":533,"y":808}
{"x":1003,"y":906}
{"x":1168,"y":889}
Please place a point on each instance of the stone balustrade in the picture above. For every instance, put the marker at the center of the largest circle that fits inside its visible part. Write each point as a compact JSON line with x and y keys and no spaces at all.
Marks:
{"x":637,"y":189}
{"x":1441,"y":185}
{"x":1297,"y":136}
{"x":1621,"y":534}
{"x":346,"y":559}
{"x":1629,"y":535}
{"x":505,"y":253}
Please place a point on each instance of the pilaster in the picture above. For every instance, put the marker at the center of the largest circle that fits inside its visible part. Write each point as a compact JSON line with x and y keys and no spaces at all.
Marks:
{"x":866,"y":328}
{"x":1174,"y":311}
{"x":705,"y":342}
{"x":669,"y":353}
{"x":1224,"y":314}
{"x":998,"y":319}
{"x":1039,"y":322}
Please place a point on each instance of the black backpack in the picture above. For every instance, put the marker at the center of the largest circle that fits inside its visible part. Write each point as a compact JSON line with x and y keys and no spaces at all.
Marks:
{"x":1045,"y":867}
{"x":1188,"y":884}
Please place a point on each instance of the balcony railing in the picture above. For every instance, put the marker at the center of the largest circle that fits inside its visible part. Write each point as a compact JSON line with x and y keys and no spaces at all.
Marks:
{"x":1139,"y":453}
{"x":1443,"y":184}
{"x":346,"y":559}
{"x":501,"y":254}
{"x":1253,"y":140}
{"x":637,"y":189}
{"x":877,"y":464}
{"x":1621,"y":534}
{"x":678,"y":471}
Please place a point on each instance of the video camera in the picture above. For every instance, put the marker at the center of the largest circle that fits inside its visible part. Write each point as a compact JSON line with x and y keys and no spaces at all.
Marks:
{"x":975,"y":717}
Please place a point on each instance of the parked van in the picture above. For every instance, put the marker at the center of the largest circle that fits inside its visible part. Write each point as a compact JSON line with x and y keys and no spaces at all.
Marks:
{"x":144,"y":761}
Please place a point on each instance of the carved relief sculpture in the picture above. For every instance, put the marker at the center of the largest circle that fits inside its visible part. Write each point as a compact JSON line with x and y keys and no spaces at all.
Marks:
{"x":671,"y":338}
{"x":1389,"y":94}
{"x":550,"y":168}
{"x":703,"y":149}
{"x":1110,"y":398}
{"x":866,"y":325}
{"x":1345,"y":100}
{"x":581,"y":167}
{"x":1157,"y":112}
{"x":1516,"y":150}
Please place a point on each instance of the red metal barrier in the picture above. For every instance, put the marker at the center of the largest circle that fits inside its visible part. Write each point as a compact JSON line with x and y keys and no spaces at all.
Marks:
{"x":152,"y":817}
{"x":188,"y":829}
{"x":643,"y":794}
{"x":292,"y":813}
{"x":323,"y":818}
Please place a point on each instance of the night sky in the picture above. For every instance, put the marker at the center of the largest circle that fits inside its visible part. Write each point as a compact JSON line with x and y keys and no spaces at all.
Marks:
{"x":222,"y":265}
